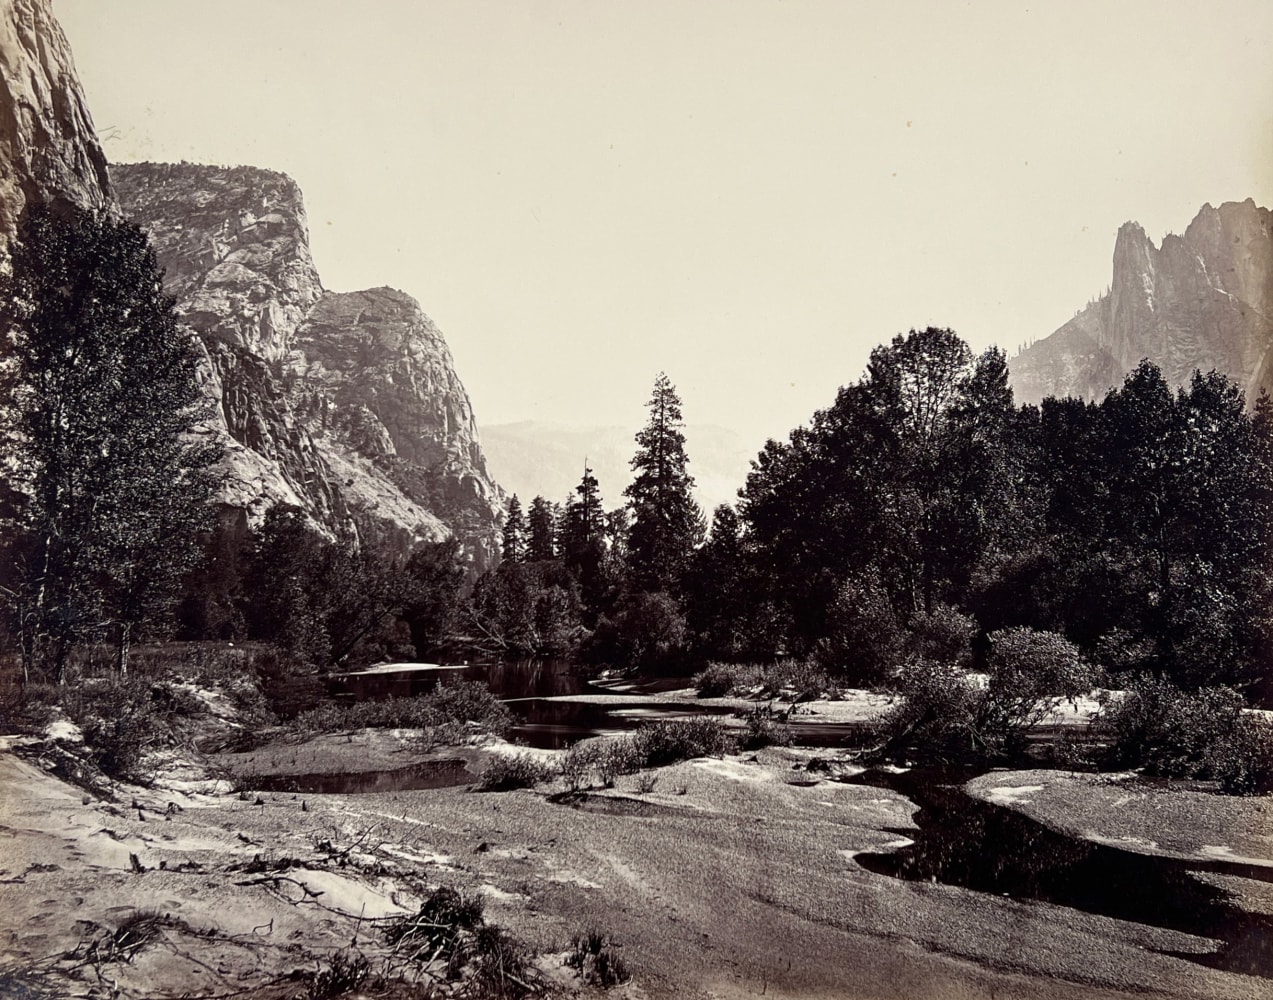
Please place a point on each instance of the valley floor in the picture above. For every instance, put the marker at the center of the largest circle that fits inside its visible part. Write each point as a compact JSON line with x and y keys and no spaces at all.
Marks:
{"x":731,"y":878}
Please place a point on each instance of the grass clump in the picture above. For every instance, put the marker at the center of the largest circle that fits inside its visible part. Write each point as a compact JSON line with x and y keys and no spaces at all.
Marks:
{"x":505,"y":773}
{"x":343,"y":974}
{"x":592,"y":954}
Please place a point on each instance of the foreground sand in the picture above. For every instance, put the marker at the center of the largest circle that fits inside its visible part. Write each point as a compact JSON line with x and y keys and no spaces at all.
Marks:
{"x":731,"y":878}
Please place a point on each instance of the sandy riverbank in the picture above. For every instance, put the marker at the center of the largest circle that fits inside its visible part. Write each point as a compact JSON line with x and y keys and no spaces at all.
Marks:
{"x":731,"y":878}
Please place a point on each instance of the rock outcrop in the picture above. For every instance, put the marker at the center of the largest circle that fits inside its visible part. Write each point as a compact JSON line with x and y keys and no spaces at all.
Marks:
{"x":1203,"y":301}
{"x":48,"y":150}
{"x":345,"y":404}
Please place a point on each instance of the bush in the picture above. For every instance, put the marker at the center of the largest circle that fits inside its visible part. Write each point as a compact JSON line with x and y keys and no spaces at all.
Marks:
{"x":946,"y":712}
{"x":656,"y":744}
{"x":943,"y":634}
{"x":1242,"y":761}
{"x":1031,"y":673}
{"x":122,"y":719}
{"x":450,"y":713}
{"x":937,"y":710}
{"x":450,"y":929}
{"x":521,"y":770}
{"x":717,"y":680}
{"x":343,"y":975}
{"x":801,"y":680}
{"x":863,"y":639}
{"x":1166,"y":731}
{"x":764,"y":729}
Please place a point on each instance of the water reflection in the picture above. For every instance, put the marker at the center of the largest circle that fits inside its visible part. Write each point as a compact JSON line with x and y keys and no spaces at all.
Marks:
{"x":968,"y":842}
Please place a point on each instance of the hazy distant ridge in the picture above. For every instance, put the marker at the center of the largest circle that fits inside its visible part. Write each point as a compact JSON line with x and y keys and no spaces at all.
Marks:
{"x":533,"y":458}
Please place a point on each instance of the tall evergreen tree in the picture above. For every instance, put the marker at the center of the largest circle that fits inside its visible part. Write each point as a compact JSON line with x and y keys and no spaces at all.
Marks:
{"x":666,"y":522}
{"x":584,"y":518}
{"x":514,"y":549}
{"x":542,"y":527}
{"x":106,"y":395}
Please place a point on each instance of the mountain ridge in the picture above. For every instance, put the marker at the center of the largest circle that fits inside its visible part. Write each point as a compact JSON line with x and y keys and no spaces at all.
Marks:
{"x":1198,"y":300}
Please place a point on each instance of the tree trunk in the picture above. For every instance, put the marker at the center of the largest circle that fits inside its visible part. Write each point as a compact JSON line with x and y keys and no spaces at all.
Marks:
{"x":121,"y":651}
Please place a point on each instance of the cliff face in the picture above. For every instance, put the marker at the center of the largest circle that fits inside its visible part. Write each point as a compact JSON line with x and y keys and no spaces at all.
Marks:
{"x":346,"y":404}
{"x":1203,"y":300}
{"x":48,"y":149}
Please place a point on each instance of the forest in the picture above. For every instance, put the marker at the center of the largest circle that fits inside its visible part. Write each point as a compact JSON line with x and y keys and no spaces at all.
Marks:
{"x":920,"y":527}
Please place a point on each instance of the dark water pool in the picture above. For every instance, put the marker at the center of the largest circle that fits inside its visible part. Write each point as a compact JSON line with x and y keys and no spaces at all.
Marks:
{"x":968,"y":842}
{"x":445,"y":773}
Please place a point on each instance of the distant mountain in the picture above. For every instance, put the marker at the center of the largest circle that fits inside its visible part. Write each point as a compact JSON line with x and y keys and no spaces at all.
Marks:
{"x":533,"y":458}
{"x":1203,"y":300}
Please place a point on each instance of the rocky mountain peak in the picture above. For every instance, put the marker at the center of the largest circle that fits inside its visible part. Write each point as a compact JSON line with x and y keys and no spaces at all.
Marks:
{"x":48,"y":150}
{"x":346,"y":404}
{"x":1202,"y":300}
{"x":235,"y":245}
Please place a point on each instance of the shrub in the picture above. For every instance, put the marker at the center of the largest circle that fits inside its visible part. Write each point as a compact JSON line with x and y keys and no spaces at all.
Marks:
{"x":451,"y":929}
{"x":943,"y":634}
{"x":592,"y":954}
{"x":1169,"y":732}
{"x":1242,"y":761}
{"x":517,"y":771}
{"x":441,"y":930}
{"x":801,"y":680}
{"x":716,"y":680}
{"x":344,"y":974}
{"x":577,"y":763}
{"x":764,"y":729}
{"x":450,"y":713}
{"x":1031,"y":673}
{"x":120,"y":718}
{"x":937,"y":709}
{"x":666,"y":742}
{"x":864,"y":637}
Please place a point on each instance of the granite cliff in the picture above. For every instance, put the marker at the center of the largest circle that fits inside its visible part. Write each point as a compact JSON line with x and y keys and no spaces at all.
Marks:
{"x":1202,"y":300}
{"x":345,"y":404}
{"x":48,"y":149}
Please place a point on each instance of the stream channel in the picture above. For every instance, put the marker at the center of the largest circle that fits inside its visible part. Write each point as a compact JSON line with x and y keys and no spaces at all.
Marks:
{"x":1028,"y":861}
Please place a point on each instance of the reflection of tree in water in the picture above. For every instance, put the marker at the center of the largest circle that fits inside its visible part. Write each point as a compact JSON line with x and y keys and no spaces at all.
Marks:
{"x":967,"y":842}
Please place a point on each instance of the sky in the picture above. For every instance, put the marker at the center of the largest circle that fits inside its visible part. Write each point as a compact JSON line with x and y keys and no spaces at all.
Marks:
{"x":747,"y":194}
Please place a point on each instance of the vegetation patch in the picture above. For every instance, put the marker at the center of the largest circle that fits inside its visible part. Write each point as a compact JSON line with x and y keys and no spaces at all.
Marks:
{"x":504,"y":773}
{"x":450,"y":939}
{"x":1202,"y":734}
{"x":450,"y":713}
{"x":593,"y":955}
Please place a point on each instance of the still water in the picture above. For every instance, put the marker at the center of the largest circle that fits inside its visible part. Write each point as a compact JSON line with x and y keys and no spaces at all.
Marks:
{"x":531,"y":689}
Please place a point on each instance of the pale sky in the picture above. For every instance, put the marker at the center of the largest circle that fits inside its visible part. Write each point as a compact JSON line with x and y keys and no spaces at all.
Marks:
{"x":749,"y":195}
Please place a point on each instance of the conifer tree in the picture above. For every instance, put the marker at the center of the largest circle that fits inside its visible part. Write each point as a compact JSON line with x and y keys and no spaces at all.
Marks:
{"x":542,"y":543}
{"x":666,"y":522}
{"x":514,"y":548}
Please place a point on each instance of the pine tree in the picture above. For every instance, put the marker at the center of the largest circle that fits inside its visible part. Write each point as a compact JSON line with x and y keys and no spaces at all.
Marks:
{"x":584,"y":519}
{"x":542,"y":543}
{"x":666,"y":522}
{"x":514,"y":549}
{"x":106,"y":396}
